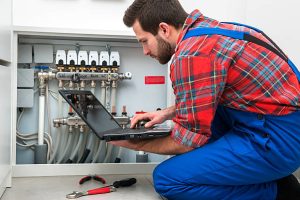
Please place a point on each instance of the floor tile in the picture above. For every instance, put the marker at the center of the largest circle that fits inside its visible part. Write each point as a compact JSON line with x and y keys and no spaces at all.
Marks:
{"x":56,"y":188}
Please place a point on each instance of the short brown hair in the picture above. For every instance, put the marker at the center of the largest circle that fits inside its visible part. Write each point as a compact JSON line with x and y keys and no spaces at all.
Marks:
{"x":150,"y":13}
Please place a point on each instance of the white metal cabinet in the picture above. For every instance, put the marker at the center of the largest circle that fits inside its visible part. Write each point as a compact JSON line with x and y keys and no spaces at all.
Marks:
{"x":5,"y":91}
{"x":5,"y":30}
{"x":5,"y":126}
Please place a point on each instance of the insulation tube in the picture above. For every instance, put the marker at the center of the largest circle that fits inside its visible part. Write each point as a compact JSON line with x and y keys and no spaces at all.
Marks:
{"x":103,"y":92}
{"x":103,"y":101}
{"x":92,"y":141}
{"x":69,"y":142}
{"x":109,"y":146}
{"x":59,"y":129}
{"x":113,"y":105}
{"x":96,"y":156}
{"x":41,"y":119}
{"x":82,"y":149}
{"x":113,"y":94}
{"x":74,"y":153}
{"x":101,"y":143}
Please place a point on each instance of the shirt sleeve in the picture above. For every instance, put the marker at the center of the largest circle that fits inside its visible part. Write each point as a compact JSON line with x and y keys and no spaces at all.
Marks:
{"x":198,"y":83}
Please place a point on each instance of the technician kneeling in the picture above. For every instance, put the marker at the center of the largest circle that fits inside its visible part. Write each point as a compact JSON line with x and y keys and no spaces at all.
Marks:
{"x":236,"y":114}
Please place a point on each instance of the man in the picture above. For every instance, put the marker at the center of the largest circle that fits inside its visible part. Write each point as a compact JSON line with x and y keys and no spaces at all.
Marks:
{"x":236,"y":113}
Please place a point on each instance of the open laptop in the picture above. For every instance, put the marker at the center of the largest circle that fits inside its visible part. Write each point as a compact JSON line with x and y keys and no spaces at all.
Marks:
{"x":103,"y":124}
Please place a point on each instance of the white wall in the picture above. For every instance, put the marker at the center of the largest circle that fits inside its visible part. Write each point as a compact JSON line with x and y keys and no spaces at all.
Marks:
{"x":71,"y":14}
{"x":5,"y":30}
{"x":222,"y":10}
{"x":105,"y":14}
{"x":280,"y":21}
{"x":277,"y":18}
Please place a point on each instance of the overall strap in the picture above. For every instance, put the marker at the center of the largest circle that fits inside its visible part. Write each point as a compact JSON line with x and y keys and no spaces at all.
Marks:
{"x":240,"y":35}
{"x":259,"y":31}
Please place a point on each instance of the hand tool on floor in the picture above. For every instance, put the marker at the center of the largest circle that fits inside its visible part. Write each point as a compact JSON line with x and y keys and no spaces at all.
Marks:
{"x":94,"y":177}
{"x":110,"y":188}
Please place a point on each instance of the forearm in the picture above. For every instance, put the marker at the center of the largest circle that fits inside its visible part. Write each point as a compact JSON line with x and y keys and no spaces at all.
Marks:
{"x":165,"y":145}
{"x":170,"y":112}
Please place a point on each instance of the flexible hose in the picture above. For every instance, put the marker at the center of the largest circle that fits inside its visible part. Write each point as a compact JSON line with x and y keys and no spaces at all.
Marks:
{"x":69,"y":142}
{"x":96,"y":157}
{"x":82,"y":147}
{"x":77,"y":147}
{"x":58,"y":132}
{"x":85,"y":155}
{"x":90,"y":145}
{"x":108,"y":153}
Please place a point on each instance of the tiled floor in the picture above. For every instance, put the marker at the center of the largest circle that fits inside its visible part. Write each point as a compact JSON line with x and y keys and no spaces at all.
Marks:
{"x":56,"y":188}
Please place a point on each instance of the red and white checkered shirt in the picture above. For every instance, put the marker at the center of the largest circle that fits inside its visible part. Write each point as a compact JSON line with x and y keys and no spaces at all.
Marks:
{"x":213,"y":70}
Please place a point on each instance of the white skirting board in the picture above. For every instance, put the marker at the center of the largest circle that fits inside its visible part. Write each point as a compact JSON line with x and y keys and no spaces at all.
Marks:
{"x":5,"y":183}
{"x":33,"y":170}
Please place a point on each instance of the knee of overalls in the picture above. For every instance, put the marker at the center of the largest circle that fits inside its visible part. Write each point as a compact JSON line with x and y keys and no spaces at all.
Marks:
{"x":164,"y":180}
{"x":159,"y":182}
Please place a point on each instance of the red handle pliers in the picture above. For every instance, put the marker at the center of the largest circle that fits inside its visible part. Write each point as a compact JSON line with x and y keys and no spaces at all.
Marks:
{"x":111,"y":188}
{"x":94,"y":177}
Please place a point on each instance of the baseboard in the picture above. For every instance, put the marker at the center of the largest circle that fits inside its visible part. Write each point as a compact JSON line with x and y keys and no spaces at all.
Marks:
{"x":5,"y":183}
{"x":33,"y":170}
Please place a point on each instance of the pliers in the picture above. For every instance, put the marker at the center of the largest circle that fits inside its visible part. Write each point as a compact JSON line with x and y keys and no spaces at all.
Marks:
{"x":110,"y":188}
{"x":94,"y":177}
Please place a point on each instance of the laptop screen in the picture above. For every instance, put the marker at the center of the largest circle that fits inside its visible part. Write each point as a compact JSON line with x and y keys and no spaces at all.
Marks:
{"x":87,"y":106}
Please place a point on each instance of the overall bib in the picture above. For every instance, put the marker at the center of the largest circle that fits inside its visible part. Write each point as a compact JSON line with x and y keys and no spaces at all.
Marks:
{"x":246,"y":154}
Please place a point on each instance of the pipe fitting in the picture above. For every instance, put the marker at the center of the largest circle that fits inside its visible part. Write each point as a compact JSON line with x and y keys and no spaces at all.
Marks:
{"x":75,"y":121}
{"x":93,"y":84}
{"x":82,"y":84}
{"x":114,"y":84}
{"x":126,"y":75}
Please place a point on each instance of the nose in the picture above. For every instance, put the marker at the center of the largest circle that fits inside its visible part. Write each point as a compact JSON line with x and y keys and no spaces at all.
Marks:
{"x":146,"y":51}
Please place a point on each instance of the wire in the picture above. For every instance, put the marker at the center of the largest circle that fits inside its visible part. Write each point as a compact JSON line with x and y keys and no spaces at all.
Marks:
{"x":32,"y":136}
{"x":33,"y":144}
{"x":26,"y":145}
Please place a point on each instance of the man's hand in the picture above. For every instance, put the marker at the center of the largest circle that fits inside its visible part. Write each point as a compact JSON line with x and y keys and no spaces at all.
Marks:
{"x":156,"y":117}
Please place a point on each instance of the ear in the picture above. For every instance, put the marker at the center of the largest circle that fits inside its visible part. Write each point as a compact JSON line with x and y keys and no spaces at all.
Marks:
{"x":164,"y":30}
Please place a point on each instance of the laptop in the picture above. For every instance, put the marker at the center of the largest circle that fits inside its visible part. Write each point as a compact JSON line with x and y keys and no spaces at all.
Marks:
{"x":102,"y":123}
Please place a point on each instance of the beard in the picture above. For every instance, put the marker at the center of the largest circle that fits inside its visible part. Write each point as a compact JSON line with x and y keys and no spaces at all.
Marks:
{"x":165,"y":50}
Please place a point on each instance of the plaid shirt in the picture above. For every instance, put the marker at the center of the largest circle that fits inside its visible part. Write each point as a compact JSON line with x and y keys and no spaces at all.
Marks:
{"x":207,"y":71}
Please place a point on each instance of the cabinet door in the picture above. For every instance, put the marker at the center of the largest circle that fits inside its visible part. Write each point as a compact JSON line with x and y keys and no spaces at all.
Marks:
{"x":5,"y":125}
{"x":5,"y":30}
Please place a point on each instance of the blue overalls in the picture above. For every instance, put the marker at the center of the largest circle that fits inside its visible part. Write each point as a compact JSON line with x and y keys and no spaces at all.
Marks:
{"x":245,"y":156}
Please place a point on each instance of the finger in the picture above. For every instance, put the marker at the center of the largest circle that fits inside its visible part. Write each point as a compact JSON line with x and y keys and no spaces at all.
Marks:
{"x":150,"y":123}
{"x":137,"y":118}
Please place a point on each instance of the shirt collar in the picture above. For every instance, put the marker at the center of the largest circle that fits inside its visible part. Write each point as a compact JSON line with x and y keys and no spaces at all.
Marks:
{"x":190,"y":20}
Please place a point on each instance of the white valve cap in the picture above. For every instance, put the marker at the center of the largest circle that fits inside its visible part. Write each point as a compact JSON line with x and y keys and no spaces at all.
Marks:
{"x":128,"y":75}
{"x":72,"y":57}
{"x":93,"y":58}
{"x":114,"y":59}
{"x":82,"y":58}
{"x":104,"y":58}
{"x":61,"y":58}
